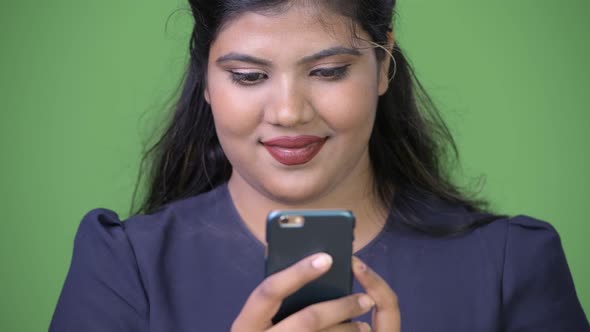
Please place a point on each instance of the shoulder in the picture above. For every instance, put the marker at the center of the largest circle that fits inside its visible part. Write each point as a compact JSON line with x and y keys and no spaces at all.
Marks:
{"x":112,"y":264}
{"x":525,"y":256}
{"x":538,"y":291}
{"x":499,"y":238}
{"x":537,"y":288}
{"x":431,"y":211}
{"x":519,"y":237}
{"x":172,"y":220}
{"x":105,"y":242}
{"x":103,"y":279}
{"x":186,"y":213}
{"x":522,"y":229}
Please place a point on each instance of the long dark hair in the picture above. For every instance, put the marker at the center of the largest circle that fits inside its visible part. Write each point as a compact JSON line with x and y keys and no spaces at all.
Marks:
{"x":410,"y":148}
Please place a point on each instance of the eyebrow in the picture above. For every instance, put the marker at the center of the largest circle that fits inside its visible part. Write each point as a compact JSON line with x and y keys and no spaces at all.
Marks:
{"x":330,"y":52}
{"x":339,"y":50}
{"x":242,"y":58}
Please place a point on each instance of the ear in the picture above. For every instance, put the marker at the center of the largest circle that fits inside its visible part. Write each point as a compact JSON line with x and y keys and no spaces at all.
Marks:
{"x":206,"y":95}
{"x":384,"y":65}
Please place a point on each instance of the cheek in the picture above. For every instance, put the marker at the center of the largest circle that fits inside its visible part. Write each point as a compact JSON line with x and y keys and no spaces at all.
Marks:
{"x":350,"y":106}
{"x":235,"y":111}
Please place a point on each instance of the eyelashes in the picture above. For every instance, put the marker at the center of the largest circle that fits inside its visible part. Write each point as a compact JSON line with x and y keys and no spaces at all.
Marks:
{"x":249,"y":78}
{"x":255,"y":77}
{"x":334,"y":73}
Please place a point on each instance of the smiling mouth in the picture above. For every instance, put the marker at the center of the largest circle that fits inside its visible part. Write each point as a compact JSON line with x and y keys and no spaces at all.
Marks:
{"x":294,"y":150}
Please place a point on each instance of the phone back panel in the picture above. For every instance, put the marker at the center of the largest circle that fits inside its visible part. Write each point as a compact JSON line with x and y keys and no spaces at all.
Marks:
{"x":329,"y":231}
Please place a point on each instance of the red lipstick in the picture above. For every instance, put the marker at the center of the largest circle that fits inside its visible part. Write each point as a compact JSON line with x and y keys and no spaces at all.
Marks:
{"x":294,"y":150}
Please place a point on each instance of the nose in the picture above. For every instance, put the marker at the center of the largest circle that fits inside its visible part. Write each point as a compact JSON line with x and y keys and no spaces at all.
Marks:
{"x":289,"y":105}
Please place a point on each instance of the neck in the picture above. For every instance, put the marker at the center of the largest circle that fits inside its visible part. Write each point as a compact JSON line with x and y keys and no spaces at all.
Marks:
{"x":355,"y":193}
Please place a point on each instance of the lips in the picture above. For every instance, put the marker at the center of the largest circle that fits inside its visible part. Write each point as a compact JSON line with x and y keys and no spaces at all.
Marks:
{"x":294,"y":150}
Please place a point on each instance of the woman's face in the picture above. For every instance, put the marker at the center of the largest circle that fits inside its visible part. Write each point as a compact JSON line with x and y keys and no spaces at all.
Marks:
{"x":294,"y":102}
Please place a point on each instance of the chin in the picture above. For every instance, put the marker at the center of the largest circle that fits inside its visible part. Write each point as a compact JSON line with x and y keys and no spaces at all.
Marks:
{"x":297,"y":195}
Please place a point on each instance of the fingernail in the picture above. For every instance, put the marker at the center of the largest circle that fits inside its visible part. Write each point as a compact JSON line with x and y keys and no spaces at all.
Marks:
{"x":364,"y":327}
{"x":366,"y":302}
{"x":361,"y":267}
{"x":322,"y":261}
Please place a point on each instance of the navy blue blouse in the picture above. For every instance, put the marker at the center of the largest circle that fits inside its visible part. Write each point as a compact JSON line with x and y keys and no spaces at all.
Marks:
{"x":191,"y":266}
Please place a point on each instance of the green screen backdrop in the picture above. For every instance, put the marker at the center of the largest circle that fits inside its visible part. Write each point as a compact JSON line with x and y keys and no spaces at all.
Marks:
{"x":83,"y":84}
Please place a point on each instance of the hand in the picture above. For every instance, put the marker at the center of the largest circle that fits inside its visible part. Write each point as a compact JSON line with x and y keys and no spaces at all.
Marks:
{"x":265,"y":300}
{"x":386,"y":314}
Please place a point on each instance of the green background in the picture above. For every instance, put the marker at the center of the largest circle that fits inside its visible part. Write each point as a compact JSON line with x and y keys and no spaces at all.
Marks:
{"x":83,"y":83}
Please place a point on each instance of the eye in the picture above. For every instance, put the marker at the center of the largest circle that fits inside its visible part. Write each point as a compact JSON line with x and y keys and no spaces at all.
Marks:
{"x":331,"y":74}
{"x":247,"y":78}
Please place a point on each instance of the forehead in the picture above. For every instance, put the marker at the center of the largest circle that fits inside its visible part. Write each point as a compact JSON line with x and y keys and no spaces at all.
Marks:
{"x":297,"y":30}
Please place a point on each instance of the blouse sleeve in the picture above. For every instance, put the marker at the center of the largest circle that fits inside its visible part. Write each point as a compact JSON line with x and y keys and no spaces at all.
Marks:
{"x":103,"y":289}
{"x":538,"y":290}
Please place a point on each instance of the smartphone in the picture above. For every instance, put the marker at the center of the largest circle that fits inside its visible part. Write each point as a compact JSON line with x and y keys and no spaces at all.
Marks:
{"x":293,"y":235}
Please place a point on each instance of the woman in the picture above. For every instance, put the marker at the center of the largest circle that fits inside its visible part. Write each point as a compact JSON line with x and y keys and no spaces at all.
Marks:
{"x":309,"y":104}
